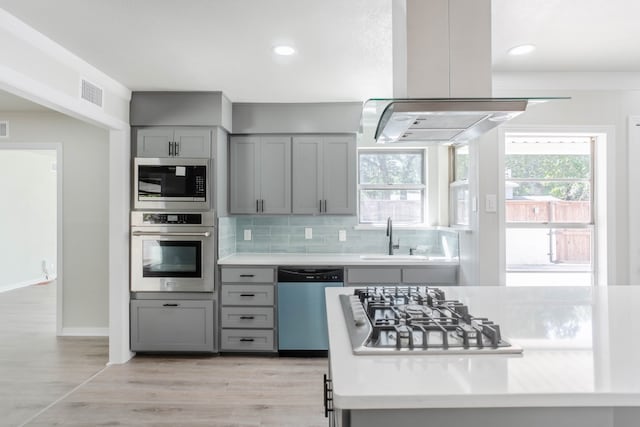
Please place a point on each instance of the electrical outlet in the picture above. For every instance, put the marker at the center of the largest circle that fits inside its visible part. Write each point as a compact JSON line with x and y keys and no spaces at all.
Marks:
{"x":247,"y":234}
{"x":342,"y":235}
{"x":308,"y":233}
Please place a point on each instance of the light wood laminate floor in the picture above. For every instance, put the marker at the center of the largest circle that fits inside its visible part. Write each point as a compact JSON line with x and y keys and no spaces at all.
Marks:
{"x":50,"y":381}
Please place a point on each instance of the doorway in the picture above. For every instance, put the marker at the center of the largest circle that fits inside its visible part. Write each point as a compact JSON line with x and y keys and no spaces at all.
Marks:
{"x":31,"y":226}
{"x":550,"y":228}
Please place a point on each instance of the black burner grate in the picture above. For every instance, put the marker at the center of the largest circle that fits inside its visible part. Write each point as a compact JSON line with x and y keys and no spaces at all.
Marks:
{"x":420,"y":317}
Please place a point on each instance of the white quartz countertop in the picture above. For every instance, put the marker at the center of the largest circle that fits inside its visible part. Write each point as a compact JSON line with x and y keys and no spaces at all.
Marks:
{"x":581,"y":348}
{"x":242,"y":259}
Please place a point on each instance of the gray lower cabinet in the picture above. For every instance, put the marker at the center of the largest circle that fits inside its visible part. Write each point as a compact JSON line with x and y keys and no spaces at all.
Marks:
{"x":173,"y":325}
{"x":260,"y":175}
{"x":324,"y":175}
{"x":247,"y":313}
{"x":188,"y":142}
{"x":444,"y":275}
{"x":373,"y":275}
{"x":432,"y":275}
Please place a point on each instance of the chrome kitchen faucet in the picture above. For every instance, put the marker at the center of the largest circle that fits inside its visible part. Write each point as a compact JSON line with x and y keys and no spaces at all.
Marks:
{"x":390,"y":235}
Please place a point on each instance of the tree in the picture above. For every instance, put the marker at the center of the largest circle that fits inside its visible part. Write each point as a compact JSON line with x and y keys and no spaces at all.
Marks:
{"x":547,"y":167}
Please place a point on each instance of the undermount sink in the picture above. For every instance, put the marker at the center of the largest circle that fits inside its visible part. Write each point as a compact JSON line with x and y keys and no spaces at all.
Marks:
{"x":394,"y":257}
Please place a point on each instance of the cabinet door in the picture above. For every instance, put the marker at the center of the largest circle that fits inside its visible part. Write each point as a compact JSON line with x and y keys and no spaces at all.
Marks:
{"x":176,"y":325}
{"x":154,"y":142}
{"x":194,"y":143}
{"x":244,"y":173}
{"x":306,"y":175}
{"x":339,"y":175}
{"x":275,"y":175}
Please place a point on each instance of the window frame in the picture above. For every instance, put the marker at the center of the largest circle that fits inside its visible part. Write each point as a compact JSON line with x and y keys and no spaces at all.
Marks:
{"x":552,"y":226}
{"x":424,"y":187}
{"x":456,"y":185}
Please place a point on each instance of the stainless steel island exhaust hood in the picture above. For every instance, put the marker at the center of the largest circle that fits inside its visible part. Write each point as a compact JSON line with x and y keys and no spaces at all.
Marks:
{"x":442,"y":78}
{"x":446,"y":121}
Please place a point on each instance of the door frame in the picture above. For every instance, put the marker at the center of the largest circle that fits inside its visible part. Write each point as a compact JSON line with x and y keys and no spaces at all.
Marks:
{"x":604,"y":195}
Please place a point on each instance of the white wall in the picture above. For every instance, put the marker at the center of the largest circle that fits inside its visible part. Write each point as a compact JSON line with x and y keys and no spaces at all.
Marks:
{"x":601,"y":108}
{"x":85,"y":198}
{"x":28,"y":219}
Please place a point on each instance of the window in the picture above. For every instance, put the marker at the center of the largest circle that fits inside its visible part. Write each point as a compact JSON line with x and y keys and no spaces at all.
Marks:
{"x":459,"y":187}
{"x":549,"y":209}
{"x":391,"y":183}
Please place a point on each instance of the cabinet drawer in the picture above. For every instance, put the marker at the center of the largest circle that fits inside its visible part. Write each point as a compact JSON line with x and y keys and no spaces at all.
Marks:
{"x":373,"y":275}
{"x":247,"y":340}
{"x":247,"y":295}
{"x":429,"y":275}
{"x":246,"y":317}
{"x":172,"y":325}
{"x":248,"y":275}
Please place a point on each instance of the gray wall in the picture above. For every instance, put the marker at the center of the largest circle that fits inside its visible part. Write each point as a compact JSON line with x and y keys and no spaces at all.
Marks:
{"x":85,"y":195}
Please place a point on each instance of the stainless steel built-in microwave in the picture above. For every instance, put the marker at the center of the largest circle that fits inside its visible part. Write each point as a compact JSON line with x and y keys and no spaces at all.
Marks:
{"x":172,"y":184}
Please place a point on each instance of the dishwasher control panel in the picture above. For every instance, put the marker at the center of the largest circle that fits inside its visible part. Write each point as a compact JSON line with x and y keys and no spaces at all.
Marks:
{"x":310,"y":275}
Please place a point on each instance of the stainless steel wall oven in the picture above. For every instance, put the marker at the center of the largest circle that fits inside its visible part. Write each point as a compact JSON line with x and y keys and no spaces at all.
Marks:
{"x":171,"y":184}
{"x":172,"y":252}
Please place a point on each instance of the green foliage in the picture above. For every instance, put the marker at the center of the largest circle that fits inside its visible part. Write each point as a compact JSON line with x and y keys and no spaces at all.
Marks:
{"x":391,"y":168}
{"x":549,"y":167}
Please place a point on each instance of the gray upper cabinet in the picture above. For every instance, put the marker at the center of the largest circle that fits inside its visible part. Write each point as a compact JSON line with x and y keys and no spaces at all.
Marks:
{"x":324,"y":175}
{"x":173,"y":142}
{"x":260,"y":175}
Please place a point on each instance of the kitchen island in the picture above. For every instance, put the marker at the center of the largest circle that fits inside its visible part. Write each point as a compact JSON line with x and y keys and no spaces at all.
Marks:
{"x":580,"y":365}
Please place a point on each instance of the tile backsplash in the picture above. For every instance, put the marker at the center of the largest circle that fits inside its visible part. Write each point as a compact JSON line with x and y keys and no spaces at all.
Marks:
{"x":226,"y":236}
{"x":286,"y":234}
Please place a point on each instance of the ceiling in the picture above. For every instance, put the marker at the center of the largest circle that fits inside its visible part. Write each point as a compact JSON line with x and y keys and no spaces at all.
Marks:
{"x":344,"y":46}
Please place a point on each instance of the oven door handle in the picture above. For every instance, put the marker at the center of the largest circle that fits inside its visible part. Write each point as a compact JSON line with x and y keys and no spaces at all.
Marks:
{"x":171,"y":233}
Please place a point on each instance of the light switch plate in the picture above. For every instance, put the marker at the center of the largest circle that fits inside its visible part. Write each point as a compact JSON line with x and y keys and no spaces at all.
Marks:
{"x":342,"y":235}
{"x":247,"y":234}
{"x":308,"y":233}
{"x":491,"y":203}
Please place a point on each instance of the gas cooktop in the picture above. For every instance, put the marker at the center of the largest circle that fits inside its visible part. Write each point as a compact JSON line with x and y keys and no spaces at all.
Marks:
{"x":417,"y":319}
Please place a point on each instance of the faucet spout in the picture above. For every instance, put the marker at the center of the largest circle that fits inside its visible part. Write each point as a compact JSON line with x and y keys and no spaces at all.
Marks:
{"x":390,"y":235}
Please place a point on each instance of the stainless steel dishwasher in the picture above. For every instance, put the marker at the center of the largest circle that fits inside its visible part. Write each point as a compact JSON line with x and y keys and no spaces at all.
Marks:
{"x":302,"y":315}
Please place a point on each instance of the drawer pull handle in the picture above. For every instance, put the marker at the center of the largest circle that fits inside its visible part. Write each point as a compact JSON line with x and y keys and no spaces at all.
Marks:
{"x":247,"y":295}
{"x":246,"y":339}
{"x":170,"y":305}
{"x":328,"y":396}
{"x":247,"y":275}
{"x":247,"y":317}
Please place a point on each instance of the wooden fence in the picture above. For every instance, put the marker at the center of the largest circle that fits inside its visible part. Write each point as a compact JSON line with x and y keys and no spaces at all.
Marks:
{"x":570,"y":245}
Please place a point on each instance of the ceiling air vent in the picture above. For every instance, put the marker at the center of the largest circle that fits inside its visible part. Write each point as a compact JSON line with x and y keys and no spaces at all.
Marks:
{"x":91,"y":93}
{"x":4,"y":129}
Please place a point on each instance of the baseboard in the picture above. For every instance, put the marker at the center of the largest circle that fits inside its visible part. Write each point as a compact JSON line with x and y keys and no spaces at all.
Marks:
{"x":84,"y":332}
{"x":30,"y":282}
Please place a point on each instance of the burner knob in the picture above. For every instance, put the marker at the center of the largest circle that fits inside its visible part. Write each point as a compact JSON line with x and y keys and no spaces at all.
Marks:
{"x":359,"y":315}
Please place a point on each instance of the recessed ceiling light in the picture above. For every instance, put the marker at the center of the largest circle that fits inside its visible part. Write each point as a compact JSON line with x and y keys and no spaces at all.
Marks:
{"x":523,"y":49}
{"x":284,"y":50}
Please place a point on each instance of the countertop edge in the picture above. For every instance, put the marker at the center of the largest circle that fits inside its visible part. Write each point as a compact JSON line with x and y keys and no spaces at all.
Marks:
{"x":256,"y":259}
{"x":557,"y":400}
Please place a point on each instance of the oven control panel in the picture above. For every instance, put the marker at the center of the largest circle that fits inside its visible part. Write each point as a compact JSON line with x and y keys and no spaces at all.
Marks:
{"x":167,"y":218}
